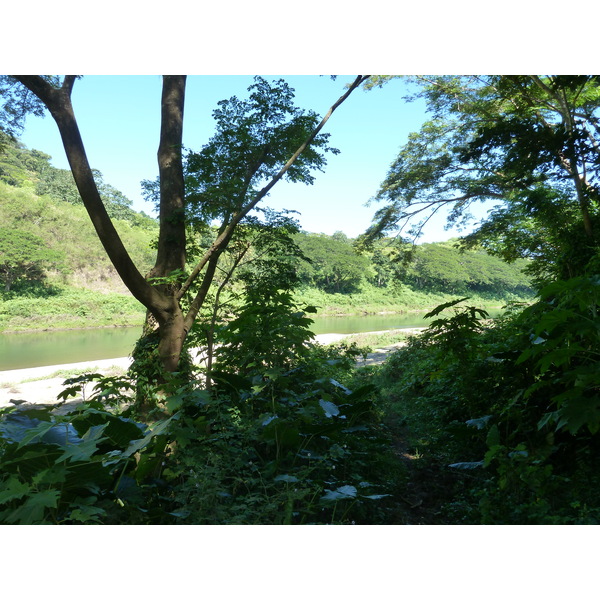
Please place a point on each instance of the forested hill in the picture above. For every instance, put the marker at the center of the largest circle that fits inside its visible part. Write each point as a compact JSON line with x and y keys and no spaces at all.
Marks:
{"x":46,"y":228}
{"x":440,"y":267}
{"x":40,"y":203}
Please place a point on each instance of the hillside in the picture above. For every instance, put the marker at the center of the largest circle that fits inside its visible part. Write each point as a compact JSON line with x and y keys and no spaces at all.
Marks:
{"x":69,"y":281}
{"x":42,"y":201}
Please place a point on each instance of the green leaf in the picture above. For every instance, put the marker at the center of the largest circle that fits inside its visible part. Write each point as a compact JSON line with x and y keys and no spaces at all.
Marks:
{"x":174,"y":403}
{"x":13,"y":489}
{"x":442,"y":307}
{"x":87,"y":514}
{"x":34,"y":509}
{"x":493,"y":437}
{"x":344,"y":492}
{"x":35,"y":433}
{"x":479,"y":423}
{"x":53,"y":475}
{"x":330,"y":409}
{"x":158,"y":429}
{"x":376,"y":496}
{"x":286,"y":478}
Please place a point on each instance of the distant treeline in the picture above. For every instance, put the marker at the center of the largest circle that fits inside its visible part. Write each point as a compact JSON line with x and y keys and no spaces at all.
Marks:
{"x":336,"y":267}
{"x":40,"y":203}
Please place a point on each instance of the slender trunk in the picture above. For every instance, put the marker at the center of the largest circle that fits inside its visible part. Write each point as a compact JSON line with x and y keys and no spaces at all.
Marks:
{"x":172,"y":237}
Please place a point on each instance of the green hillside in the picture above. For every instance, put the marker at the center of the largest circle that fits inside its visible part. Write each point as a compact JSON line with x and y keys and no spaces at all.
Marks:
{"x":56,"y":274}
{"x":62,"y":277}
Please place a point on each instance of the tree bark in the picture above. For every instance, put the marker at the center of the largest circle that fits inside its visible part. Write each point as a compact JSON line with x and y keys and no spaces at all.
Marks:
{"x":172,"y":238}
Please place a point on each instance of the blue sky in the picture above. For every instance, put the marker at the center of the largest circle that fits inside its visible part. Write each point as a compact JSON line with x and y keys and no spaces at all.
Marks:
{"x":119,"y":121}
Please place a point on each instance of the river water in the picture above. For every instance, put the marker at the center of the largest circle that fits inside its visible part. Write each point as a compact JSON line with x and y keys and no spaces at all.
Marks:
{"x":25,"y":350}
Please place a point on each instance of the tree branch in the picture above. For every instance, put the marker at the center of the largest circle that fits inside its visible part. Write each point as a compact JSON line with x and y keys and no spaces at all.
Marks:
{"x":226,"y":232}
{"x":68,"y":82}
{"x":58,"y":102}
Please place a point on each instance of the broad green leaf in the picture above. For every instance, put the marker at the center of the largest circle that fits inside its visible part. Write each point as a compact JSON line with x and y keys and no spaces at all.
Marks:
{"x":493,"y":437}
{"x":338,"y":385}
{"x":12,"y":490}
{"x":37,"y":432}
{"x":55,"y":474}
{"x":330,"y":409}
{"x":159,"y":428}
{"x":34,"y":508}
{"x":80,"y":452}
{"x":479,"y":423}
{"x":87,"y":514}
{"x":344,"y":492}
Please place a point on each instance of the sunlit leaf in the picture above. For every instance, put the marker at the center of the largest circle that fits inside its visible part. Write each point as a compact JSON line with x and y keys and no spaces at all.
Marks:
{"x":330,"y":409}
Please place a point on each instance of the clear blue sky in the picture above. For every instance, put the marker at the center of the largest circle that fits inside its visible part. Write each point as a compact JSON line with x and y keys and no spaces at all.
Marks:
{"x":119,"y":121}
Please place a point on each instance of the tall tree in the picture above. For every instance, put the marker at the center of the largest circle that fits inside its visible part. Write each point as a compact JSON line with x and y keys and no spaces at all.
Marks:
{"x":265,"y":160}
{"x":529,"y":143}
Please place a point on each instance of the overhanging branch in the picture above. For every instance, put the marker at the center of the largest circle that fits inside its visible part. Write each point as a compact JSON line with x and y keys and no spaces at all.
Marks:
{"x":226,"y":233}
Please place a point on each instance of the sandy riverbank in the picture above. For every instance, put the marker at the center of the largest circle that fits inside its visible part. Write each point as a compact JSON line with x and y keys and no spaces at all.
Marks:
{"x":43,"y":384}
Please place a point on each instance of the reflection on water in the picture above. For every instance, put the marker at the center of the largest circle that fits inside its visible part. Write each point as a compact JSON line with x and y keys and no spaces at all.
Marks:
{"x":24,"y":350}
{"x":362,"y":323}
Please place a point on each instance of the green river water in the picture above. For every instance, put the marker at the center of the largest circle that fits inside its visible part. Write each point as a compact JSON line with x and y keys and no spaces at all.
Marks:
{"x":25,"y":350}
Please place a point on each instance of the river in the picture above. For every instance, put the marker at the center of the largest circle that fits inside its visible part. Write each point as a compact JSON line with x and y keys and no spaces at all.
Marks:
{"x":26,"y":350}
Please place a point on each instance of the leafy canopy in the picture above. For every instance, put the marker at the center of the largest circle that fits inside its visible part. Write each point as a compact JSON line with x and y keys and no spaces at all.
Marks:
{"x":529,"y":143}
{"x":253,"y":140}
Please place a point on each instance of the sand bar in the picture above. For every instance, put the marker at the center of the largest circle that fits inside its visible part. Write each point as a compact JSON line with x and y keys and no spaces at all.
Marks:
{"x":41,"y":385}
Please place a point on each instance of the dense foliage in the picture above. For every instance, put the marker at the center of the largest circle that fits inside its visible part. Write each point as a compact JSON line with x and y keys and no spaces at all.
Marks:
{"x":278,"y":438}
{"x":504,"y":416}
{"x":25,"y":257}
{"x":42,"y":203}
{"x":474,"y":421}
{"x":528,"y":144}
{"x":501,"y":418}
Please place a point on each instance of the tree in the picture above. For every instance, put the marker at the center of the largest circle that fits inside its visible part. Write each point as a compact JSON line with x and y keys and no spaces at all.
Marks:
{"x":334,"y":266}
{"x":23,"y":257}
{"x":257,"y":143}
{"x":529,"y":143}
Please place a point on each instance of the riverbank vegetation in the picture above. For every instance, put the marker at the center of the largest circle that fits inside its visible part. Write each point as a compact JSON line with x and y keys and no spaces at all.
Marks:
{"x":74,"y":285}
{"x":473,"y":421}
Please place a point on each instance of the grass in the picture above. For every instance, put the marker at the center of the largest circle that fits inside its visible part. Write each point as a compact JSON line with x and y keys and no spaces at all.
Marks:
{"x":70,"y":308}
{"x":372,"y":300}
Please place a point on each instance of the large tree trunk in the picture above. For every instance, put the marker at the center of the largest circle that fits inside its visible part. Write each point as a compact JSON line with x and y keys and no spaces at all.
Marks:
{"x":160,"y":300}
{"x":171,"y":241}
{"x":170,"y":256}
